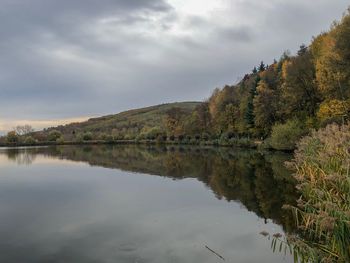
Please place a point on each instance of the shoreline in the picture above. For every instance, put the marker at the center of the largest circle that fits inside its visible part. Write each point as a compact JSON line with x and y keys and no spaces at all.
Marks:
{"x":252,"y":144}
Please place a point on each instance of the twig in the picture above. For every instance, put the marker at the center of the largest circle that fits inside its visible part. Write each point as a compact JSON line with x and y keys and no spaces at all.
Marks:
{"x":217,"y":254}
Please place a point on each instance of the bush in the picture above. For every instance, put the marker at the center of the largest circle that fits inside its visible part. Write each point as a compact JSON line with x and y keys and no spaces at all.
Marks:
{"x":161,"y":138}
{"x":60,"y":140}
{"x":180,"y":138}
{"x":79,"y":138}
{"x":205,"y":136}
{"x":54,"y":135}
{"x":87,"y":136}
{"x":242,"y":142}
{"x":29,"y":140}
{"x":224,"y":140}
{"x":152,"y":133}
{"x":129,"y":137}
{"x":12,"y":137}
{"x":103,"y":136}
{"x":285,"y":136}
{"x":109,"y":138}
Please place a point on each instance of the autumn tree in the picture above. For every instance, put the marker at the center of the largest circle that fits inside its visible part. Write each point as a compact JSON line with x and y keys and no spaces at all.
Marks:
{"x":332,"y":60}
{"x":174,"y":121}
{"x":299,"y":91}
{"x":204,"y":116}
{"x":264,"y":108}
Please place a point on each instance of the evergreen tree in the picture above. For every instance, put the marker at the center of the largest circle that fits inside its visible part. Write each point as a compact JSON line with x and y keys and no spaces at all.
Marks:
{"x":262,"y":66}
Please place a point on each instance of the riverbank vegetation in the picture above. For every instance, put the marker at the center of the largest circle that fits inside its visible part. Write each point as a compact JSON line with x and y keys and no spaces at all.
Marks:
{"x":322,"y":164}
{"x":322,"y":213}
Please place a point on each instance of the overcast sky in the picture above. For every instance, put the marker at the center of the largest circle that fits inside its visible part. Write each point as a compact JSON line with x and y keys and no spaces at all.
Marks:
{"x":64,"y":60}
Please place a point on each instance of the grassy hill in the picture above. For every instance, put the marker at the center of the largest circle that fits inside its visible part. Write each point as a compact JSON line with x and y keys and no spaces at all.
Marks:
{"x":125,"y":124}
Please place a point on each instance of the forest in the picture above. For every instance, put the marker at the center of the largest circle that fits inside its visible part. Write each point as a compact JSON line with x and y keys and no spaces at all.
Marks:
{"x":280,"y":102}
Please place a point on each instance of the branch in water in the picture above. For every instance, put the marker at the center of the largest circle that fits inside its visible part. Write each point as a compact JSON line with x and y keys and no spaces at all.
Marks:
{"x":217,"y":254}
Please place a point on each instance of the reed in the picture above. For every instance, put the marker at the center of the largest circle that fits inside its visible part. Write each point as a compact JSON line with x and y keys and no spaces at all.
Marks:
{"x":322,"y":213}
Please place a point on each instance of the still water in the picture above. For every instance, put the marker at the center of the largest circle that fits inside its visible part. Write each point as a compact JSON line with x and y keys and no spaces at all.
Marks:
{"x":142,"y":204}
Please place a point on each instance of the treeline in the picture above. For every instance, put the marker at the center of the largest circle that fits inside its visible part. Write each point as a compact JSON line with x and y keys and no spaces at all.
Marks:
{"x":283,"y":101}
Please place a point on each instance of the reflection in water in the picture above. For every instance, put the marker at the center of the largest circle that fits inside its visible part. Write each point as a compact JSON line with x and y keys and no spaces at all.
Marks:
{"x":259,"y":181}
{"x":89,"y":215}
{"x":24,"y":156}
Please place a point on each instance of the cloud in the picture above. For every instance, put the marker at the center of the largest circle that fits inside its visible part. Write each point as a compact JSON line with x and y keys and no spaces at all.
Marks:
{"x":68,"y":58}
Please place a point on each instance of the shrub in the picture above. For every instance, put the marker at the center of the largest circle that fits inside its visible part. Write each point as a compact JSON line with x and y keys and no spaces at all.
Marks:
{"x":54,"y":135}
{"x":205,"y":136}
{"x":285,"y":136}
{"x":242,"y":142}
{"x":87,"y":136}
{"x":109,"y":138}
{"x":79,"y":138}
{"x":224,"y":139}
{"x":151,"y":133}
{"x":161,"y":138}
{"x":180,"y":137}
{"x":103,"y":136}
{"x":129,"y":137}
{"x":12,"y":137}
{"x":60,"y":140}
{"x":29,"y":140}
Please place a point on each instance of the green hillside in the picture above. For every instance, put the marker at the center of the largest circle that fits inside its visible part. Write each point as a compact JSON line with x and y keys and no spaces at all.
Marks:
{"x":124,"y":125}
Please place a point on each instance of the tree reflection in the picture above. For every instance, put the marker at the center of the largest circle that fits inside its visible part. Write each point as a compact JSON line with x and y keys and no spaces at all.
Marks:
{"x":258,"y":181}
{"x":22,"y":156}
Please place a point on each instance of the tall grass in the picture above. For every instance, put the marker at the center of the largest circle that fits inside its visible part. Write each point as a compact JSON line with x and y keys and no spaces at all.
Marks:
{"x":322,"y":169}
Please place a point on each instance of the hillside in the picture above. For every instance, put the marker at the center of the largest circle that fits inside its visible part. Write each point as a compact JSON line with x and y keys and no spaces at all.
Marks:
{"x":125,"y":124}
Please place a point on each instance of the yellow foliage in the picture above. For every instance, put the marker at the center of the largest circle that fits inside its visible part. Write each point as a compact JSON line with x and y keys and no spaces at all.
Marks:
{"x":331,"y":56}
{"x":285,"y":66}
{"x":333,"y":108}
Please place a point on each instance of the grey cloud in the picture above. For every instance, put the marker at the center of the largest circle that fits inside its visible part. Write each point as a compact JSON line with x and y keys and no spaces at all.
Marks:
{"x":237,"y":33}
{"x":70,"y":58}
{"x":22,"y":19}
{"x":242,"y":34}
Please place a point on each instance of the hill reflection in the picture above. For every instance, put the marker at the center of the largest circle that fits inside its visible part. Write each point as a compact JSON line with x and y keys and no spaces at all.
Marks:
{"x":258,"y":181}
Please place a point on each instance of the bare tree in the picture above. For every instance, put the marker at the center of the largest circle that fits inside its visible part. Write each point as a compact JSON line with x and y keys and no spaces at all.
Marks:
{"x":23,"y":129}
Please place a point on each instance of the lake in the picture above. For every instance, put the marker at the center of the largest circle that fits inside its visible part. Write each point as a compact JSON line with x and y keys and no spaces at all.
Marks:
{"x":142,"y":204}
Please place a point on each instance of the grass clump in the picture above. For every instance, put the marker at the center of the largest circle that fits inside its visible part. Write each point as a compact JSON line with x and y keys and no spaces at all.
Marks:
{"x":322,"y":165}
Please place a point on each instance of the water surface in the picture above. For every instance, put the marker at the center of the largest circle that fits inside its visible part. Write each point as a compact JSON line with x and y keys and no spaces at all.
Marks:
{"x":141,"y":204}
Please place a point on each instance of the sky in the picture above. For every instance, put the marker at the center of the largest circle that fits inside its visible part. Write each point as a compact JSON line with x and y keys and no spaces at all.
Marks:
{"x":68,"y":60}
